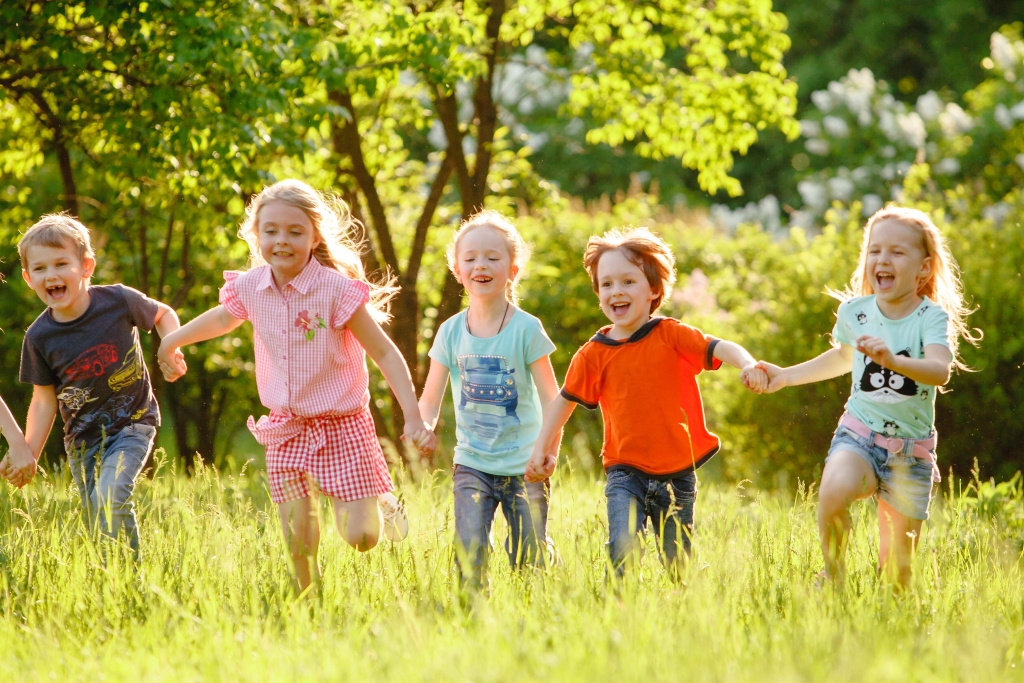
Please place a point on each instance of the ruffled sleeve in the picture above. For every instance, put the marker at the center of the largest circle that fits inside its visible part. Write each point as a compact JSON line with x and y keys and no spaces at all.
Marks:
{"x":229,"y":298}
{"x":353,"y":294}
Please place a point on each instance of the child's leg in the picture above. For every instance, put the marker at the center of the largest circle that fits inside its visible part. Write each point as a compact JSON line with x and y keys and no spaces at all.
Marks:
{"x":475,"y":503}
{"x":627,"y":516}
{"x":847,"y":477}
{"x":301,"y":527}
{"x":525,"y":506}
{"x":125,"y":455}
{"x":673,"y":517}
{"x":358,"y":522}
{"x":82,"y":463}
{"x":897,"y":539}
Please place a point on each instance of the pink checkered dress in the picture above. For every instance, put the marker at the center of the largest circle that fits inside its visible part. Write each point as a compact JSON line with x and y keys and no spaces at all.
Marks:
{"x":311,"y":374}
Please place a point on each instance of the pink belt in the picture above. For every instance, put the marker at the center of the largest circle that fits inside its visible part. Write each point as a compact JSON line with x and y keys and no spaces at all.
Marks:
{"x":919,"y":448}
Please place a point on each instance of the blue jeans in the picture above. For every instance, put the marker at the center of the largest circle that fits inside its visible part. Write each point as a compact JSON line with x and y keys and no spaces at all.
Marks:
{"x":633,"y":498}
{"x":525,"y":506}
{"x":105,"y":475}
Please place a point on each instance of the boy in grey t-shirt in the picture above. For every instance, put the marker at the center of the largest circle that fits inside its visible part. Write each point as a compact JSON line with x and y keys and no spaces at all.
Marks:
{"x":83,"y":355}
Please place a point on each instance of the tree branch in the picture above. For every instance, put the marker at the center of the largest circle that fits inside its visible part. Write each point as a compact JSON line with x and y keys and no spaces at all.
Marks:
{"x":419,"y":240}
{"x":447,"y":108}
{"x":483,"y":102}
{"x":346,"y":141}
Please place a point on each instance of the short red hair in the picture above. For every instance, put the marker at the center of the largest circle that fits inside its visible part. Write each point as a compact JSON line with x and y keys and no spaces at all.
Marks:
{"x":642,"y":248}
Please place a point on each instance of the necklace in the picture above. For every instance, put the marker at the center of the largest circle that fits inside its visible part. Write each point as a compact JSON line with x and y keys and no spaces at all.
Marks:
{"x":500,"y":327}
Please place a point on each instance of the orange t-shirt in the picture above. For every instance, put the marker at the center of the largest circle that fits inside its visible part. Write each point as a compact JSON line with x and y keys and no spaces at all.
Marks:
{"x":647,"y":389}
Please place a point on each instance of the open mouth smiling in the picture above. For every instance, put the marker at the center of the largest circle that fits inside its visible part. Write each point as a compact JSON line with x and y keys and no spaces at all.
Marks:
{"x":884,"y":280}
{"x":619,"y":308}
{"x":56,"y":291}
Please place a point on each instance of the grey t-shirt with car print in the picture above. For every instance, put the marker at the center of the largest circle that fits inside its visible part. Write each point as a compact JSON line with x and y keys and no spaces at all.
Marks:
{"x":95,"y":363}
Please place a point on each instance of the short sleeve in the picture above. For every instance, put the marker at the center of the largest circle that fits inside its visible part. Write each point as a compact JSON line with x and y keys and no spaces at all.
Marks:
{"x":693,"y":345}
{"x":141,"y":308}
{"x":936,"y":328}
{"x":354,"y":293}
{"x":841,"y":333}
{"x":34,"y":369}
{"x":229,"y":298}
{"x":582,"y":381}
{"x":538,"y":344}
{"x":440,"y":350}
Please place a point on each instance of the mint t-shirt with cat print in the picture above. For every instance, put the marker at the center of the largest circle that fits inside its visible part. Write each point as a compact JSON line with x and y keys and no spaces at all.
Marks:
{"x":886,"y":401}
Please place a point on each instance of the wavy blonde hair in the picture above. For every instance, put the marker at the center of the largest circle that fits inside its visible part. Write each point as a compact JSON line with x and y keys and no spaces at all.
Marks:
{"x":643,"y":249}
{"x":341,"y":237}
{"x":518,"y":249}
{"x":943,"y":284}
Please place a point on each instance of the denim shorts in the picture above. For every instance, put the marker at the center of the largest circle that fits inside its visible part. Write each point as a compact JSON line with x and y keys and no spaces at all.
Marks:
{"x":904,"y":481}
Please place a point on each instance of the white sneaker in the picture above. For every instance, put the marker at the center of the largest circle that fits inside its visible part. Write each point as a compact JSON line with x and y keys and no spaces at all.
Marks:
{"x":396,"y":524}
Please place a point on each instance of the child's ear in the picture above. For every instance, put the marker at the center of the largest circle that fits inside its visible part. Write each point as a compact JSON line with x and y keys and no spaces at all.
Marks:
{"x":926,"y":270}
{"x":88,"y":267}
{"x":513,"y":272}
{"x":25,"y":276}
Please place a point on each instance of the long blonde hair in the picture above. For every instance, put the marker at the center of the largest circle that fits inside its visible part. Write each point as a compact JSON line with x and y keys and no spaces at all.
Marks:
{"x":943,"y":284}
{"x":518,"y":249}
{"x":340,"y":236}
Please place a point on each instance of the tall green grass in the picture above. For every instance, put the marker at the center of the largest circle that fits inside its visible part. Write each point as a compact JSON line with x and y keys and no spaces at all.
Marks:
{"x":213,"y":599}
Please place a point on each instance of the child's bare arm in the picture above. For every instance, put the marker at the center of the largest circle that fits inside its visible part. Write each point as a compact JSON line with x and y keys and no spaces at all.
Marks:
{"x":19,"y":463}
{"x":433,"y":393}
{"x":545,"y":450}
{"x":833,"y":363}
{"x":391,"y":363}
{"x":735,"y":355}
{"x":41,"y":413}
{"x":214,"y":323}
{"x":933,"y":369}
{"x":166,"y":320}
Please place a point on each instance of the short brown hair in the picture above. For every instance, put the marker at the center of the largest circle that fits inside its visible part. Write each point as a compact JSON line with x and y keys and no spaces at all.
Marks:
{"x":56,"y":230}
{"x":642,"y":248}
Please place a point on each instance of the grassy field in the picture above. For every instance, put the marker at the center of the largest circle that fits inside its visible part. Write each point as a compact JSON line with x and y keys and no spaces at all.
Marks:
{"x":213,"y":599}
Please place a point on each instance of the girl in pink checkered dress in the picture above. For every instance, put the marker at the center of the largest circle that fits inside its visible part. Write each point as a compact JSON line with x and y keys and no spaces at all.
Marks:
{"x":314,"y":317}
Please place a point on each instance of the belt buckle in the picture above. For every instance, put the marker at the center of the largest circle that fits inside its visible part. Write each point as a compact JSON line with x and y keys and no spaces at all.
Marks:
{"x":899,"y":444}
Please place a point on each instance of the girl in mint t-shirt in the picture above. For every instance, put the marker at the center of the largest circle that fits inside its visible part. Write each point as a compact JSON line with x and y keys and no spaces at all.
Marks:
{"x":498,"y":357}
{"x":897,"y":330}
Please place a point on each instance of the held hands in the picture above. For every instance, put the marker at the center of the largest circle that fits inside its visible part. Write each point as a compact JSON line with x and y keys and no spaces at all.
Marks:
{"x":540,"y":466}
{"x":416,"y":433}
{"x":171,"y":361}
{"x":754,"y":378}
{"x":19,"y":466}
{"x":876,"y":349}
{"x":776,"y":380}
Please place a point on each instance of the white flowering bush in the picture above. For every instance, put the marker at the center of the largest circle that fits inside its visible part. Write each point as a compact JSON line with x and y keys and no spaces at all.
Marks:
{"x":859,"y":141}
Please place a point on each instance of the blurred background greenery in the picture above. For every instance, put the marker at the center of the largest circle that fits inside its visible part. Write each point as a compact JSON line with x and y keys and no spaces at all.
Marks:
{"x":755,"y":138}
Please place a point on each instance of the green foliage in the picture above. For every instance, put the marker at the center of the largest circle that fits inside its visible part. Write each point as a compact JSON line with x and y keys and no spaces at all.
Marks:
{"x":212,"y":600}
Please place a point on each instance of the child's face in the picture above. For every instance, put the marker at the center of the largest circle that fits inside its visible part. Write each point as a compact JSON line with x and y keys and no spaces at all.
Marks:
{"x":59,"y":278}
{"x":483,"y":263}
{"x":624,"y":291}
{"x":896,"y":262}
{"x":287,"y":239}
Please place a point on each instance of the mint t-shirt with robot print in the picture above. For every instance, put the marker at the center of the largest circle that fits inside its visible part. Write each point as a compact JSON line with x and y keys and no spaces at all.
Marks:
{"x":886,"y":401}
{"x":497,"y":408}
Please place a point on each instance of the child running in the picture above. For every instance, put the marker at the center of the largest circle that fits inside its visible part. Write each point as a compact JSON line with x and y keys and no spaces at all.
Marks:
{"x":641,"y":370}
{"x":83,"y":356}
{"x":498,"y":356}
{"x":313,"y":314}
{"x":897,"y":329}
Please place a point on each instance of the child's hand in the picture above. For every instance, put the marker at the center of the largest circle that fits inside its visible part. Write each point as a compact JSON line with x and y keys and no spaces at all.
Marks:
{"x":876,"y":349}
{"x":171,"y":361}
{"x":540,"y":466}
{"x":19,"y":467}
{"x":754,"y":378}
{"x":417,"y":433}
{"x":776,"y":380}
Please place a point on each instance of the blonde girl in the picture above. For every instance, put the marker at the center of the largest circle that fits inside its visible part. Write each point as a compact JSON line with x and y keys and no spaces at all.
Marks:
{"x":897,"y":331}
{"x":313,"y":314}
{"x":498,"y":358}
